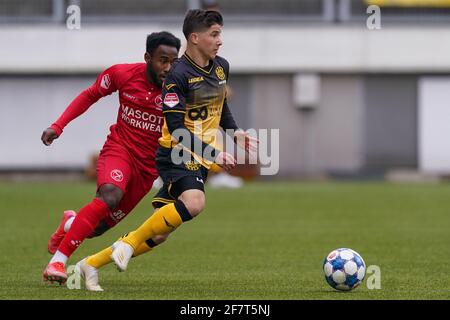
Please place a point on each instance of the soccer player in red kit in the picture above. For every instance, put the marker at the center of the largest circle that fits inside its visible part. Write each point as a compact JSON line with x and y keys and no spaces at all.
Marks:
{"x":126,"y":164}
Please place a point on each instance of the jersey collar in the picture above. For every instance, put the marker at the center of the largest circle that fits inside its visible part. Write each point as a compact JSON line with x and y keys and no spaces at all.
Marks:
{"x":210,"y":65}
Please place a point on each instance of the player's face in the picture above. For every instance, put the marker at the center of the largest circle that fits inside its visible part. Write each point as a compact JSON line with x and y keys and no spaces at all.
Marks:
{"x":209,"y":41}
{"x":160,"y":62}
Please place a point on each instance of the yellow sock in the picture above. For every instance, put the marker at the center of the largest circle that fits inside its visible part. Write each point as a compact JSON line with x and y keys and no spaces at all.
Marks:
{"x":143,"y":248}
{"x":103,"y":257}
{"x":162,"y":221}
{"x":100,"y":259}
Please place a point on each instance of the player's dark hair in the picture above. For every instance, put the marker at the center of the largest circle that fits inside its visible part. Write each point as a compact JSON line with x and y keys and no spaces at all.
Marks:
{"x":199,"y":20}
{"x":156,"y":39}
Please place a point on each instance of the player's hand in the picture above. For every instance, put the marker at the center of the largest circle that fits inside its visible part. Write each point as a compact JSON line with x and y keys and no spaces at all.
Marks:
{"x":225,"y":160}
{"x":245,"y":141}
{"x":48,"y":136}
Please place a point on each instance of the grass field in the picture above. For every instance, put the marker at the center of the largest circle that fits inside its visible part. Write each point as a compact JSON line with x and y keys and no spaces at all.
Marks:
{"x":265,"y":241}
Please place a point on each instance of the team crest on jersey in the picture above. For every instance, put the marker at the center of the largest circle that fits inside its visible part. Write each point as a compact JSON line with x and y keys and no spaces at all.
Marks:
{"x":171,"y":100}
{"x":220,"y":73}
{"x":158,"y":101}
{"x":106,"y":81}
{"x":117,"y":175}
{"x":192,"y":165}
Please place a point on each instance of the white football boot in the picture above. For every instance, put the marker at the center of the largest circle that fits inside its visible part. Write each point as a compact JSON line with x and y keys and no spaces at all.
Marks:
{"x":89,"y":274}
{"x":121,"y":254}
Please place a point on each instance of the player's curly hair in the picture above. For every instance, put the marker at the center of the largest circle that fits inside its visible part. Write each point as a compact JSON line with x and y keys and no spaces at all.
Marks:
{"x":155,"y":39}
{"x":198,"y":20}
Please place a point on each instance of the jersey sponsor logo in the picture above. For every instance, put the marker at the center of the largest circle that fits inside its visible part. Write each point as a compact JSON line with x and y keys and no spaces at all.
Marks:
{"x":106,"y":81}
{"x":198,"y":113}
{"x":170,"y":86}
{"x":129,"y":96}
{"x":117,"y":175}
{"x":158,"y":101}
{"x":171,"y":100}
{"x":142,"y":119}
{"x":196,"y":79}
{"x":220,"y":73}
{"x":223,"y":82}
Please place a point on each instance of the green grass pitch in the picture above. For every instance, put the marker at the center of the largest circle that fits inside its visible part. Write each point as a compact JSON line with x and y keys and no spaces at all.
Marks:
{"x":264,"y":241}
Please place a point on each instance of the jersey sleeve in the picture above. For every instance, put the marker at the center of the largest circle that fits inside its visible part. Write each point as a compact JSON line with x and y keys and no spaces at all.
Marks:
{"x":224,"y":64}
{"x":106,"y":83}
{"x":226,"y":119}
{"x":226,"y":67}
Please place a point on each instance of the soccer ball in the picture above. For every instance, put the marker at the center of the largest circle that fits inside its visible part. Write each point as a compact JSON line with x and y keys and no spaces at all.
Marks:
{"x":344,"y":269}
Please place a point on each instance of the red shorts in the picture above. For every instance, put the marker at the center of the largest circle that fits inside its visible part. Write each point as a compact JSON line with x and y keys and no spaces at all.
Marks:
{"x":116,"y":166}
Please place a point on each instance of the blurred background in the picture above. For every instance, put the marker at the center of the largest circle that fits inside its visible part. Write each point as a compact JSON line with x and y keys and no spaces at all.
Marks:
{"x":350,"y":102}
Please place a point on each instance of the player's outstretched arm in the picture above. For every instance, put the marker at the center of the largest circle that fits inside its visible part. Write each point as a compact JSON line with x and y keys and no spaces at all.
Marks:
{"x":241,"y":137}
{"x":106,"y":83}
{"x":76,"y":108}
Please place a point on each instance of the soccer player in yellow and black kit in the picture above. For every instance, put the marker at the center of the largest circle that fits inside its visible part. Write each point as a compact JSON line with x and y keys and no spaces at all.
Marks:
{"x":194,"y":107}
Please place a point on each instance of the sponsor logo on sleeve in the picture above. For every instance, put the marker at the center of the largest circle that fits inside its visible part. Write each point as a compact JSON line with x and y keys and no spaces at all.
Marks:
{"x":106,"y":81}
{"x":171,"y":100}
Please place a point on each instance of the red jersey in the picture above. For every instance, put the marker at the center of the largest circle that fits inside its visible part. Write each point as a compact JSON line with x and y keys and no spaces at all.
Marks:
{"x":139,"y":120}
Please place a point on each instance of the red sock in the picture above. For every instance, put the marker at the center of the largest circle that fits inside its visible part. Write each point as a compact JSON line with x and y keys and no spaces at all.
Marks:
{"x":83,"y":225}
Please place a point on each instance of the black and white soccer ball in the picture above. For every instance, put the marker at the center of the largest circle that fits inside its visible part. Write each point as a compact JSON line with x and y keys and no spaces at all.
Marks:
{"x":344,"y":269}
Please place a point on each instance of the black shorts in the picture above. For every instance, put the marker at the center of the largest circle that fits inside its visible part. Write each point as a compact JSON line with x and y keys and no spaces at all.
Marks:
{"x":177,"y":178}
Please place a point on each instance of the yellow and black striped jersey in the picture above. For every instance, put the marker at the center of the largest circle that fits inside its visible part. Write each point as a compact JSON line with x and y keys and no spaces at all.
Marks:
{"x":199,"y":94}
